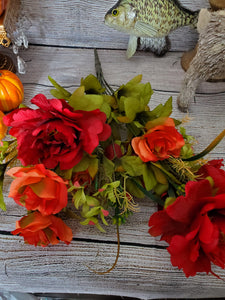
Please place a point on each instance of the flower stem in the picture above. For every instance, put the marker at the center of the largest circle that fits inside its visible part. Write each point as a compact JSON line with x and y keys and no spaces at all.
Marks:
{"x":100,"y":76}
{"x":211,"y":146}
{"x":116,"y":260}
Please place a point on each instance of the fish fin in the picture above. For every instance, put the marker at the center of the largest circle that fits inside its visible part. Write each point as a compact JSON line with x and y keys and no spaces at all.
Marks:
{"x":146,"y":29}
{"x":132,"y":46}
{"x":159,"y":46}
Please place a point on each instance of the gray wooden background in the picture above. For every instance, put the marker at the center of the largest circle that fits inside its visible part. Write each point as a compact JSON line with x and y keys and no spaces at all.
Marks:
{"x":62,"y":38}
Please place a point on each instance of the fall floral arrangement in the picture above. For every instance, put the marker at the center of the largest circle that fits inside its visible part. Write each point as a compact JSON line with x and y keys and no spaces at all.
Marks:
{"x":106,"y":149}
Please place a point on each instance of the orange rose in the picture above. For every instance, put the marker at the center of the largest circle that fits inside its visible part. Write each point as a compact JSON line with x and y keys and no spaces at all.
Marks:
{"x":160,"y":142}
{"x":41,"y":230}
{"x":37,"y":188}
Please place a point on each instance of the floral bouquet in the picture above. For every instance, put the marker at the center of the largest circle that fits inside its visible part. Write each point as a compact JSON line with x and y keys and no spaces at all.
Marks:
{"x":104,"y":150}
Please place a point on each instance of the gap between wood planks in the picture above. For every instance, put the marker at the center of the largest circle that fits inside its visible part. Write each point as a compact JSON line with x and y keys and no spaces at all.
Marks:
{"x":107,"y":242}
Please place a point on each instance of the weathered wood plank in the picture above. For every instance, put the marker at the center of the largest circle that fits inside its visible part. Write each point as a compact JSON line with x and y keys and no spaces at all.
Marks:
{"x":141,"y":272}
{"x":134,"y":231}
{"x":80,"y":24}
{"x":67,"y":66}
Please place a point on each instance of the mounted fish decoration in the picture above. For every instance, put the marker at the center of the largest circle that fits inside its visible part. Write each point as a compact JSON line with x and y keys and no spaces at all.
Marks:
{"x":149,"y":20}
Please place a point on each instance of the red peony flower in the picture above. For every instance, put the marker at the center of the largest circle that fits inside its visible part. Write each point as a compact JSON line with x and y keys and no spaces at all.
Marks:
{"x":41,"y":230}
{"x":55,"y":133}
{"x":159,"y":143}
{"x":194,"y":225}
{"x":38,"y":189}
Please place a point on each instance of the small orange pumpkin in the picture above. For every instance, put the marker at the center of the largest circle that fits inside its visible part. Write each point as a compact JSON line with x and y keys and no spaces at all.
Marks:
{"x":11,"y":91}
{"x":3,"y":127}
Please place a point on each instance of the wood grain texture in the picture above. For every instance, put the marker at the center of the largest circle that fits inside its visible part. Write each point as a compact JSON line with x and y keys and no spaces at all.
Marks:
{"x":144,"y":269}
{"x":62,"y":28}
{"x":81,"y":24}
{"x":142,"y":272}
{"x":67,"y":66}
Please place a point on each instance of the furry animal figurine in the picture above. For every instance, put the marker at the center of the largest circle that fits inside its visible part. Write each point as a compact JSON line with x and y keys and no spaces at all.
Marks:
{"x":209,"y":60}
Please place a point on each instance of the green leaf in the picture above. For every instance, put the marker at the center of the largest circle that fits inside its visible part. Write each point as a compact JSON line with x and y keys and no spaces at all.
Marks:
{"x":103,"y":218}
{"x":60,"y":92}
{"x":91,"y":201}
{"x":100,"y":227}
{"x":92,"y":85}
{"x":93,"y":167}
{"x":133,"y":129}
{"x":79,"y":198}
{"x":89,"y":163}
{"x":105,"y":107}
{"x":149,"y":178}
{"x":133,"y":165}
{"x":82,"y":165}
{"x":160,"y":189}
{"x":132,"y":188}
{"x":108,"y":191}
{"x":133,"y":98}
{"x":80,"y":101}
{"x":137,"y":79}
{"x":2,"y":203}
{"x":167,"y":108}
{"x":95,"y":221}
{"x":138,"y":124}
{"x":92,"y":212}
{"x":65,"y":174}
{"x":109,"y":167}
{"x":149,"y":194}
{"x":161,"y":110}
{"x":159,"y":175}
{"x":85,"y":209}
{"x":131,"y":107}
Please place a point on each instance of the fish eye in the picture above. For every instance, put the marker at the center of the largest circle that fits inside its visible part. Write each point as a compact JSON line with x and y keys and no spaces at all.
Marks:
{"x":115,"y":12}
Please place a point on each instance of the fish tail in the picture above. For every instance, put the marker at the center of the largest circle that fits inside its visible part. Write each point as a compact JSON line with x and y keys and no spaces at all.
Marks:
{"x":189,"y":17}
{"x":194,"y":18}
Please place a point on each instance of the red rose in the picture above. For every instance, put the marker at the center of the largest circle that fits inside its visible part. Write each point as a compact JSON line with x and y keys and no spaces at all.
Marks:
{"x":41,"y":230}
{"x":38,"y":189}
{"x":194,"y":225}
{"x":159,"y":143}
{"x":82,"y":178}
{"x":112,"y":151}
{"x":56,"y":133}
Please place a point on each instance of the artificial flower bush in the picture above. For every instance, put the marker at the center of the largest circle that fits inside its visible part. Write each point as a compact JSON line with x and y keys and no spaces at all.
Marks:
{"x":106,"y":149}
{"x":194,"y":224}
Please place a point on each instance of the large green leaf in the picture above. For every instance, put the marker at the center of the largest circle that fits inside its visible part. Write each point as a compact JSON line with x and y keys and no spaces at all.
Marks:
{"x":161,"y":110}
{"x":149,"y":178}
{"x":133,"y":190}
{"x":131,"y":107}
{"x":133,"y":165}
{"x":80,"y":101}
{"x":79,"y":198}
{"x":109,"y":167}
{"x":92,"y":85}
{"x":60,"y":92}
{"x":82,"y":165}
